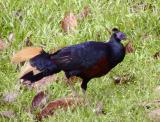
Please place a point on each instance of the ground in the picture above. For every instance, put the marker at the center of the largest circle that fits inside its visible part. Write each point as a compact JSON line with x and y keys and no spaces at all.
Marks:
{"x":41,"y":19}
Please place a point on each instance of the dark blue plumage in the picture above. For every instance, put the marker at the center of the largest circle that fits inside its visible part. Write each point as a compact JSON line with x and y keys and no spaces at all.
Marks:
{"x":86,"y":60}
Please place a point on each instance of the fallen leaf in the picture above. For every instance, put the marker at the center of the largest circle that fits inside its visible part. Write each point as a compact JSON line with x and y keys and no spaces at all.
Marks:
{"x":129,"y":47}
{"x":157,"y":55}
{"x":2,"y":45}
{"x":11,"y":37}
{"x":69,"y":22}
{"x":57,"y":104}
{"x":38,"y":100}
{"x":148,"y":104}
{"x":155,"y":115}
{"x":7,"y":114}
{"x":10,"y":96}
{"x":84,"y":13}
{"x":25,"y":54}
{"x":44,"y":82}
{"x":123,"y":79}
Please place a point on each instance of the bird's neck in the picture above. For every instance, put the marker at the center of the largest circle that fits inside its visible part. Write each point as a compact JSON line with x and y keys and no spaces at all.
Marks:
{"x":116,"y":43}
{"x":113,"y":39}
{"x":117,"y":50}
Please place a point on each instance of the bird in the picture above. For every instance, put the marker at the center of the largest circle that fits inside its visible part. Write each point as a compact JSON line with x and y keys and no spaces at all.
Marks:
{"x":87,"y":60}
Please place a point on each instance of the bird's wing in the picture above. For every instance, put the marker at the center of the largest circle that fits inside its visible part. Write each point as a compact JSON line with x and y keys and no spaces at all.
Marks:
{"x":79,"y":56}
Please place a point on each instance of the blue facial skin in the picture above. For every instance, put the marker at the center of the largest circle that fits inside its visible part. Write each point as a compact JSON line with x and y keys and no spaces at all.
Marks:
{"x":121,"y":36}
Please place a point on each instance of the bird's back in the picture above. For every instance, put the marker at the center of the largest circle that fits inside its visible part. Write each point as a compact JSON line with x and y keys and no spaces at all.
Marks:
{"x":90,"y":59}
{"x":79,"y":56}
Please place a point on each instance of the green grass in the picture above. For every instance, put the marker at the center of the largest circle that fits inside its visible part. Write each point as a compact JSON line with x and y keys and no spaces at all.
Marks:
{"x":139,"y":20}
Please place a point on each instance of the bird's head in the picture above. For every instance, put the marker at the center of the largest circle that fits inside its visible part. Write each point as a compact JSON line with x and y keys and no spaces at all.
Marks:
{"x":118,"y":35}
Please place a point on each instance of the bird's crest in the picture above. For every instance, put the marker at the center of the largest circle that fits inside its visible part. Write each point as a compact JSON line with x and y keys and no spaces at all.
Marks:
{"x":115,"y":30}
{"x":26,"y":54}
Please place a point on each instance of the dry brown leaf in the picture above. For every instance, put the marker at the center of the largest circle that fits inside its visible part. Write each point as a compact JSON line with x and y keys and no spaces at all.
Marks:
{"x":57,"y":104}
{"x":155,"y":115}
{"x":38,"y":100}
{"x":10,"y":96}
{"x":148,"y":104}
{"x":44,"y":82}
{"x":123,"y":79}
{"x":69,"y":22}
{"x":25,"y":54}
{"x":129,"y":47}
{"x":157,"y":55}
{"x":7,"y":114}
{"x":84,"y":13}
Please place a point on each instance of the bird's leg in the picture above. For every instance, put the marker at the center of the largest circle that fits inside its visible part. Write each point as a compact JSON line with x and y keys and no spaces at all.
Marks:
{"x":84,"y":88}
{"x":68,"y":75}
{"x":84,"y":92}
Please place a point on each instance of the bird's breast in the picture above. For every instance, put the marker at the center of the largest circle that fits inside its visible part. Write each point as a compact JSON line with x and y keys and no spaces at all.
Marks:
{"x":97,"y":70}
{"x":117,"y":56}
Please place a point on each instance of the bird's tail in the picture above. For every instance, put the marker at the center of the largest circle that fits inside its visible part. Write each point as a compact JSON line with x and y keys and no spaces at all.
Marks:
{"x":38,"y":59}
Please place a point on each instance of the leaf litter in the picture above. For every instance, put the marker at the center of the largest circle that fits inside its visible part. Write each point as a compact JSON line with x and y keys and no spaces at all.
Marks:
{"x":69,"y":22}
{"x":7,"y":114}
{"x":59,"y":104}
{"x":39,"y":99}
